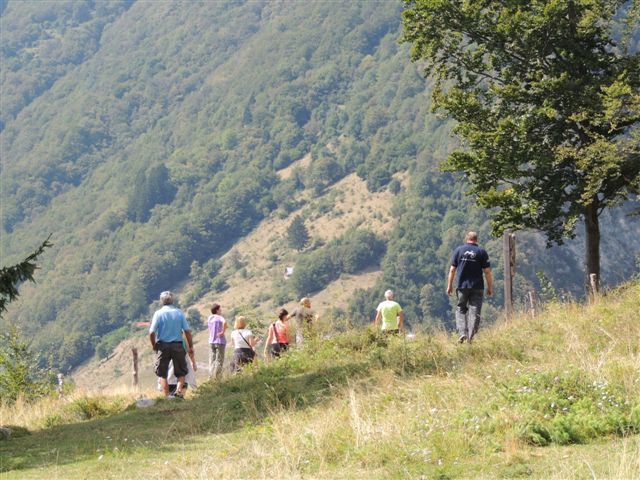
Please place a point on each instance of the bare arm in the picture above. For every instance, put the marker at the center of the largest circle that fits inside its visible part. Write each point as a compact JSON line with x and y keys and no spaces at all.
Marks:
{"x":191,"y":354}
{"x":376,"y":321}
{"x":152,"y":337}
{"x":452,"y":275}
{"x":194,"y":365}
{"x":489,"y":276}
{"x":401,"y":321}
{"x":187,"y":335}
{"x":269,"y":339}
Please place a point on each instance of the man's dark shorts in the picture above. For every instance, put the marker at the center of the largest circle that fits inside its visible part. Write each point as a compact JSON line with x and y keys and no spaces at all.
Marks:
{"x":168,"y":351}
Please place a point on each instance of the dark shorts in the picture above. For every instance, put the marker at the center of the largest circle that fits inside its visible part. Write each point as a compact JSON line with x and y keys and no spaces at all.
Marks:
{"x":168,"y":352}
{"x":275,"y":349}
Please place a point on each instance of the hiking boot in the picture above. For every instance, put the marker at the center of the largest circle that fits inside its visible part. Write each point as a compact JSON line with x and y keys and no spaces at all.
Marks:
{"x":462,"y":338}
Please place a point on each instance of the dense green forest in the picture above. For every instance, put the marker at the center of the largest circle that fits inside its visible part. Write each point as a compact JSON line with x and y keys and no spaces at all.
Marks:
{"x":146,"y":136}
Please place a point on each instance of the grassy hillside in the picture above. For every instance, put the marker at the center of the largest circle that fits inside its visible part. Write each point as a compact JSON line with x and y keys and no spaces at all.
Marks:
{"x":149,"y":138}
{"x":556,"y":396}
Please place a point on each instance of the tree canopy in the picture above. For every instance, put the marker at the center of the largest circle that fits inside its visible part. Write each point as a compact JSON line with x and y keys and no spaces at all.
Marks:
{"x":546,"y":95}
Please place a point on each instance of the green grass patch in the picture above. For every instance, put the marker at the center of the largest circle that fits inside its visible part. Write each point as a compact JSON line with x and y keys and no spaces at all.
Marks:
{"x":569,"y":407}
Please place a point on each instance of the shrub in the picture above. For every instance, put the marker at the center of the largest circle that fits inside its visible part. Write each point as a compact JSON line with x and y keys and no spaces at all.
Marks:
{"x":567,"y":408}
{"x":86,"y":408}
{"x":20,"y":374}
{"x":194,"y":317}
{"x":298,"y":234}
{"x":394,"y":186}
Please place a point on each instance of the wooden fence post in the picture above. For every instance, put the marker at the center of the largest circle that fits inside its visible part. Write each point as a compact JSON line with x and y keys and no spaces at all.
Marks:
{"x":134,"y":353}
{"x":532,"y":302}
{"x":509,"y":254}
{"x":60,"y":387}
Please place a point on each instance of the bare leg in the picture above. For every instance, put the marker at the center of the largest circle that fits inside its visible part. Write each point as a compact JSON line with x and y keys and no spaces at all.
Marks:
{"x":180,"y":389}
{"x":165,"y":386}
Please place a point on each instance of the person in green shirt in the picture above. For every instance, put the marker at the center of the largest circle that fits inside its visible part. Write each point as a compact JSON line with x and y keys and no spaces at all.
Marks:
{"x":390,"y":313}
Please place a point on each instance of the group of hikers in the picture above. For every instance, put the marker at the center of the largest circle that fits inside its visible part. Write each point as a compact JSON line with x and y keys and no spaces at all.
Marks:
{"x":244,"y":341}
{"x":172,"y":341}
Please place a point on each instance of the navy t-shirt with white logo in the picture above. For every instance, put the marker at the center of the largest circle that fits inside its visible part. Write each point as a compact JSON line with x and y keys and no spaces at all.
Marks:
{"x":470,"y":260}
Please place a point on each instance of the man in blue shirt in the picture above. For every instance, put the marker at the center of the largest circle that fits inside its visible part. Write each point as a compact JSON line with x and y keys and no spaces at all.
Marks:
{"x":469,"y":261}
{"x":167,"y":326}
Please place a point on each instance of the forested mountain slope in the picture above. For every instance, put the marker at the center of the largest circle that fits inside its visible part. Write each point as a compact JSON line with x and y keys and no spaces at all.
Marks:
{"x":146,"y":136}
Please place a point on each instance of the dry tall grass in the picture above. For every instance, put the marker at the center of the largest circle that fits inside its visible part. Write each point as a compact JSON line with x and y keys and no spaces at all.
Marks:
{"x":35,"y":415}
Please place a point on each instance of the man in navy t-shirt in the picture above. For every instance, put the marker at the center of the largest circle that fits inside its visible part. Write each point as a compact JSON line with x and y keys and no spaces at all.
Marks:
{"x":469,"y":261}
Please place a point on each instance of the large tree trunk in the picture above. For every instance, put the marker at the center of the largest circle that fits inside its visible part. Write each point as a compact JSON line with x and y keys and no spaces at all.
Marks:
{"x":592,"y":249}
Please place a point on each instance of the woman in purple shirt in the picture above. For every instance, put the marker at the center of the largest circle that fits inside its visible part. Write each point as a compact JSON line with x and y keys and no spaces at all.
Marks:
{"x":217,"y":341}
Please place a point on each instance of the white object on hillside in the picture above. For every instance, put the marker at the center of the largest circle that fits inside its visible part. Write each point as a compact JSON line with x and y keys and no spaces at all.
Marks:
{"x":288,"y":271}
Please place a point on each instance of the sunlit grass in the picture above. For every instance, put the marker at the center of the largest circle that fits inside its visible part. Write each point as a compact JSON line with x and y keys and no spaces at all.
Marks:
{"x":77,"y":405}
{"x":557,"y":396}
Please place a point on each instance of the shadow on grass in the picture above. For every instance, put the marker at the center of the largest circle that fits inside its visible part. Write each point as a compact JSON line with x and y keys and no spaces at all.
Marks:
{"x":297,"y":381}
{"x":217,"y":408}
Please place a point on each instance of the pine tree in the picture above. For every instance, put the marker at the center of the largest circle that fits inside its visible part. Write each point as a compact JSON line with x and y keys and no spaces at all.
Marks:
{"x":297,"y":234}
{"x":19,"y":372}
{"x":12,"y":277}
{"x":150,"y":190}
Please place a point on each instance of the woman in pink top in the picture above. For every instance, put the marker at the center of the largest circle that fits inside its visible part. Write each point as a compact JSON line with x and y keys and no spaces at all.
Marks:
{"x":278,"y":337}
{"x":217,"y":326}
